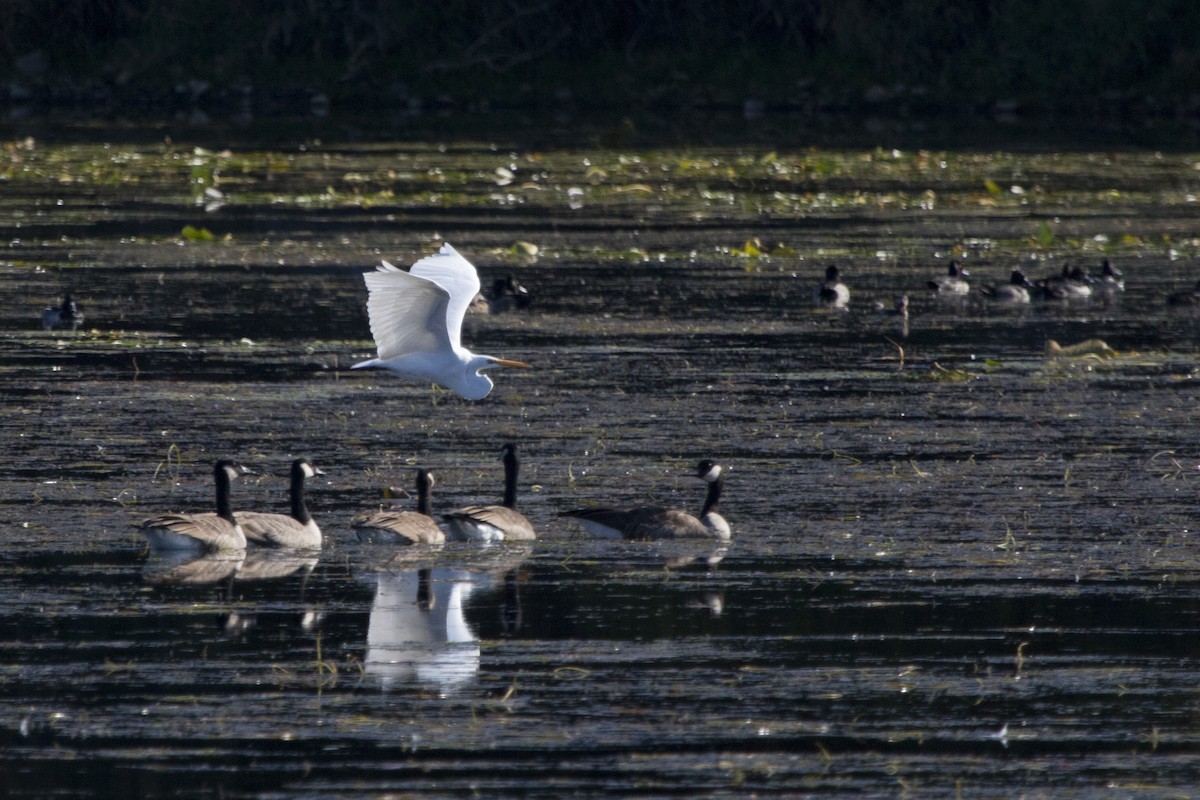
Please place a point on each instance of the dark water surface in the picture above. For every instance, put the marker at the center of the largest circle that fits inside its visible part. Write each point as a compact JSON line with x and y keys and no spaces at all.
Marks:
{"x":959,"y":567}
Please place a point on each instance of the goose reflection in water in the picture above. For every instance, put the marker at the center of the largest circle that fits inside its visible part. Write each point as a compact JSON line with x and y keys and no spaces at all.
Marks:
{"x":263,"y":565}
{"x":184,"y":568}
{"x":181,"y":568}
{"x":188,"y":569}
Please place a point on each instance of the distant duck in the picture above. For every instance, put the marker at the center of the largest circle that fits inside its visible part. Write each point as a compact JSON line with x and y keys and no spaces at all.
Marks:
{"x":1016,"y":291}
{"x":66,"y":315}
{"x":951,"y":284}
{"x":297,"y":530}
{"x":1111,"y":279}
{"x":403,"y":527}
{"x":1187,"y":297}
{"x":494,"y":523}
{"x":831,"y":292}
{"x":655,"y":522}
{"x":1072,"y":284}
{"x":507,"y":295}
{"x":899,"y":309}
{"x":204,"y":532}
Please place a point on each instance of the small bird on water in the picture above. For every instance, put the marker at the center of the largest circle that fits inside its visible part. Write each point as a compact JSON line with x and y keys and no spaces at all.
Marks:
{"x":66,"y":315}
{"x":831,"y":292}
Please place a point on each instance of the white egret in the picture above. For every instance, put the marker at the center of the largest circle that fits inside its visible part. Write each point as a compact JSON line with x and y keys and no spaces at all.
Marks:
{"x":296,"y":530}
{"x":416,"y":319}
{"x":655,"y":522}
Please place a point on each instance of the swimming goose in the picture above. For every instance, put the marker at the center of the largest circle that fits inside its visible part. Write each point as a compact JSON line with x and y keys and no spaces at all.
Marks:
{"x":1015,"y":291}
{"x":494,"y":523}
{"x":295,"y":530}
{"x":64,"y":316}
{"x":952,"y":282}
{"x":403,"y":527}
{"x":655,"y":522}
{"x":831,"y":293}
{"x":206,"y":531}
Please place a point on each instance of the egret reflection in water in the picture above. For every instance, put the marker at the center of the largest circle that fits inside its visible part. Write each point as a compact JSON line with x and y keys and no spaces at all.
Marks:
{"x":418,"y":630}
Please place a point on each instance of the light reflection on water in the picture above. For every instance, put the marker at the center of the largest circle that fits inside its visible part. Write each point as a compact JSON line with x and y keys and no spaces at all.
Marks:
{"x":971,"y":569}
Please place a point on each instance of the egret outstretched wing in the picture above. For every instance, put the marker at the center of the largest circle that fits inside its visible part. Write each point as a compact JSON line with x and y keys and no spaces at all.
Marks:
{"x":416,"y":319}
{"x":458,"y":277}
{"x":408,"y":313}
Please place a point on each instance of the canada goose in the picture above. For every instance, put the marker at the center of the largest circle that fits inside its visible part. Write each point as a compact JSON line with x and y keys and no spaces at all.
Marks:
{"x":494,"y":523}
{"x":403,"y":527}
{"x":296,"y":530}
{"x":1014,"y":292}
{"x":831,"y":292}
{"x":655,"y":522}
{"x":952,"y":282}
{"x":64,"y":316}
{"x":201,"y":532}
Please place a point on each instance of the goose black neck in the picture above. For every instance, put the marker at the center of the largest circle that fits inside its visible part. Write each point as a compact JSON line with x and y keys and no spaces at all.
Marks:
{"x":224,"y":506}
{"x":423,"y":494}
{"x":511,"y":467}
{"x":299,"y":507}
{"x":714,"y":495}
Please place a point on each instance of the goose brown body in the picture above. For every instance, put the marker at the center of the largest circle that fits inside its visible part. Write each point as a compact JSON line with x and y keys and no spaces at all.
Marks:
{"x":403,"y":527}
{"x":202,"y":532}
{"x":295,"y":530}
{"x":482,"y":523}
{"x":656,"y":522}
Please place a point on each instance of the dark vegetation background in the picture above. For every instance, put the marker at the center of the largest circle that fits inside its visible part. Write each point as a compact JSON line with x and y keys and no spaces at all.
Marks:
{"x":1093,"y":57}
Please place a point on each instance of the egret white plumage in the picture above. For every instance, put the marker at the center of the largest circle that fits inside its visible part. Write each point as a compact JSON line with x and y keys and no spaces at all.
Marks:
{"x":416,"y":319}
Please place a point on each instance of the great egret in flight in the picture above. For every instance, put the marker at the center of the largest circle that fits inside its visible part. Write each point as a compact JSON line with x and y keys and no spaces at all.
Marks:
{"x":416,"y":319}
